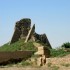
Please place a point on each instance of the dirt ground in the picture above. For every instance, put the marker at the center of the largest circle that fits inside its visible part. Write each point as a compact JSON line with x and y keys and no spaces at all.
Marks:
{"x":51,"y":64}
{"x":31,"y":68}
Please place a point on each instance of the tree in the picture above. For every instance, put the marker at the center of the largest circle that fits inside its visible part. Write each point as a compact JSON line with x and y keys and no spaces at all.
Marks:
{"x":66,"y":45}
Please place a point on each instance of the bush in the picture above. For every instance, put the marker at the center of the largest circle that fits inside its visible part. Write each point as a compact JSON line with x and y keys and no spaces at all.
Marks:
{"x":58,"y":53}
{"x":66,"y":45}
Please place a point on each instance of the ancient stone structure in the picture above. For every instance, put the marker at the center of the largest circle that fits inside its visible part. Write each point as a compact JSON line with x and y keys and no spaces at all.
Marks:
{"x":31,"y":34}
{"x":42,"y":50}
{"x":22,"y":28}
{"x":43,"y":39}
{"x":24,"y":31}
{"x":42,"y":53}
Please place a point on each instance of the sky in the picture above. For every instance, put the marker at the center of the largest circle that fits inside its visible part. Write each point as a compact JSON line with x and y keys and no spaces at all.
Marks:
{"x":49,"y":16}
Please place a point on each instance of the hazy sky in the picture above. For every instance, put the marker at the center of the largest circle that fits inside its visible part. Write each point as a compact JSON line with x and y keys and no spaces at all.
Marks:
{"x":50,"y":16}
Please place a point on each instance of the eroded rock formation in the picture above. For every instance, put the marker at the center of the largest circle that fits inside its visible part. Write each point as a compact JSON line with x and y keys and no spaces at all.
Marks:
{"x":42,"y":38}
{"x":23,"y":30}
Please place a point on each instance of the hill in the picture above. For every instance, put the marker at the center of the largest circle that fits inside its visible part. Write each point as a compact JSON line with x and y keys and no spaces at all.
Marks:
{"x":18,"y":46}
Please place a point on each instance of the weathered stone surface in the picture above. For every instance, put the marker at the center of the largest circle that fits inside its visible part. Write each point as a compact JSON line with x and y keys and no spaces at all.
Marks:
{"x":43,"y":53}
{"x":24,"y":31}
{"x":22,"y":28}
{"x":42,"y":50}
{"x":43,"y":39}
{"x":30,"y":34}
{"x":41,"y":60}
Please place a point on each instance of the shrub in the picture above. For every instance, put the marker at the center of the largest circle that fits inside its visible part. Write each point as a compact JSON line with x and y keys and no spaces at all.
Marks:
{"x":66,"y":65}
{"x":66,"y":45}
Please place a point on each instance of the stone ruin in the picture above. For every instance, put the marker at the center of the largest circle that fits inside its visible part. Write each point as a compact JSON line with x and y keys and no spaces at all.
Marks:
{"x":23,"y":30}
{"x":42,"y":53}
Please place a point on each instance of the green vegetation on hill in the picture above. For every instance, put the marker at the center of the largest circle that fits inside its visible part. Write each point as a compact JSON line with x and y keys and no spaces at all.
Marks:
{"x":58,"y":53}
{"x":17,"y":46}
{"x":20,"y":45}
{"x":62,"y":51}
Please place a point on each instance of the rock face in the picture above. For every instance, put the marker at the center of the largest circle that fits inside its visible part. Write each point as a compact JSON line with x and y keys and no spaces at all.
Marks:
{"x":42,"y":50}
{"x":42,"y":38}
{"x":23,"y":30}
{"x":31,"y":34}
{"x":42,"y":53}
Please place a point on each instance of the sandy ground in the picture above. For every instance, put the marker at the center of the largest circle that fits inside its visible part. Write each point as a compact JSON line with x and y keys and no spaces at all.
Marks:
{"x":31,"y":68}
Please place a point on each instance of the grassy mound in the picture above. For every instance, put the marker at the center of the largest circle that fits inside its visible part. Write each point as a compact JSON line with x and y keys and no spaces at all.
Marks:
{"x":19,"y":45}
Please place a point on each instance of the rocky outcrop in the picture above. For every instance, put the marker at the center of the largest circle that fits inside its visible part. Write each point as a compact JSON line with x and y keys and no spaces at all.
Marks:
{"x":22,"y":28}
{"x":24,"y":31}
{"x":31,"y":34}
{"x":43,"y":39}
